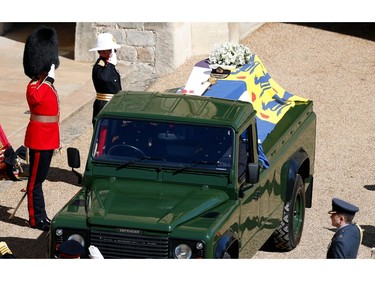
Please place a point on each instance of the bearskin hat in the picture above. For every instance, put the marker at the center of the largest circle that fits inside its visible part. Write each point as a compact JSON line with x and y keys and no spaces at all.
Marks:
{"x":41,"y":51}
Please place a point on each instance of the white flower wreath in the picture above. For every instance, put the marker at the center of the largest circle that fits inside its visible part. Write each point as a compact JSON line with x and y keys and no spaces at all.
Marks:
{"x":229,"y":55}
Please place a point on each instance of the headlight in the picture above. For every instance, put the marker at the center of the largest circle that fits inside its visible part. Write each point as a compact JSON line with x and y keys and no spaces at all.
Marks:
{"x":59,"y":232}
{"x":186,"y":249}
{"x":182,"y":251}
{"x":78,"y":238}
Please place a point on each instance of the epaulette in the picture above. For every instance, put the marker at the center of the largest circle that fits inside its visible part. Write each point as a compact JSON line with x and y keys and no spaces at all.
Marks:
{"x":4,"y":248}
{"x":101,"y":63}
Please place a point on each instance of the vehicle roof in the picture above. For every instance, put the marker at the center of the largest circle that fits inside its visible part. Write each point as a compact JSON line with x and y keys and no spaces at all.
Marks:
{"x":178,"y":107}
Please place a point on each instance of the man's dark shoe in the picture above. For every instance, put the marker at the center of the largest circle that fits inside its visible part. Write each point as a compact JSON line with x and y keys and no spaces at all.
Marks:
{"x":47,"y":220}
{"x":42,"y":225}
{"x":10,"y":174}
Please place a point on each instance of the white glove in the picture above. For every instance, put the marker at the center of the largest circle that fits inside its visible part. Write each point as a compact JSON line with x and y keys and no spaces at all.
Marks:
{"x":113,"y":57}
{"x":95,"y":253}
{"x":51,"y":72}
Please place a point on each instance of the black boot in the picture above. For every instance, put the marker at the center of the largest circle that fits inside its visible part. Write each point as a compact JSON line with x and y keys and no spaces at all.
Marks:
{"x":10,"y":174}
{"x":9,"y":160}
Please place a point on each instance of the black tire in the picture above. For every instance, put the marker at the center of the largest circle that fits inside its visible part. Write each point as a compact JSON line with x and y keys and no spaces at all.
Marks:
{"x":288,"y":235}
{"x":227,"y":256}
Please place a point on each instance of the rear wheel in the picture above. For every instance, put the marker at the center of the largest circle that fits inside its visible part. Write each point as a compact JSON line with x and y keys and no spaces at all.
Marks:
{"x":288,"y":235}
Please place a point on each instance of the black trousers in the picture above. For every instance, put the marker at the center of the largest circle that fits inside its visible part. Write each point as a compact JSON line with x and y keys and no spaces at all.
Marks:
{"x":97,"y":106}
{"x":40,"y":161}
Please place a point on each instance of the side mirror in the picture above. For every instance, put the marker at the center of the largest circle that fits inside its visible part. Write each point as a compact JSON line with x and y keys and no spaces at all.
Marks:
{"x":74,"y":161}
{"x":252,"y":173}
{"x":252,"y":177}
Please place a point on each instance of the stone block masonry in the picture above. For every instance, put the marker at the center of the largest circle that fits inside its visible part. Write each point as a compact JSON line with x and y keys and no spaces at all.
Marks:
{"x":151,"y":50}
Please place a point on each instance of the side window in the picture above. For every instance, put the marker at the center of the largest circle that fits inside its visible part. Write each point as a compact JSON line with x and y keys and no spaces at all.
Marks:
{"x":245,"y":151}
{"x":242,"y":155}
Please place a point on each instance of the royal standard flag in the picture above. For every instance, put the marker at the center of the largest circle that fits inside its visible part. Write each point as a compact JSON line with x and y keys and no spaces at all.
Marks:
{"x":251,"y":83}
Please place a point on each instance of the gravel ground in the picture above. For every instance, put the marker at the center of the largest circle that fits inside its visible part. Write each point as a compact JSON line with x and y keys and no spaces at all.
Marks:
{"x":336,"y":71}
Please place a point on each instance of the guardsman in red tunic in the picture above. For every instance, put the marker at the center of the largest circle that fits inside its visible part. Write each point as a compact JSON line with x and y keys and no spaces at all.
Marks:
{"x":42,"y":133}
{"x":106,"y":78}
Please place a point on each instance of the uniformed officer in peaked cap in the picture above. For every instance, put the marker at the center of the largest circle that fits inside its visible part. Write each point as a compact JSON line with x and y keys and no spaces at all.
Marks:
{"x":40,"y":59}
{"x":348,"y":236}
{"x":106,"y":78}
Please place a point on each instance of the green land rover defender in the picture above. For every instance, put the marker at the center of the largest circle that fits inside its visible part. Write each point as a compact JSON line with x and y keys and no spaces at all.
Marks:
{"x":170,"y":175}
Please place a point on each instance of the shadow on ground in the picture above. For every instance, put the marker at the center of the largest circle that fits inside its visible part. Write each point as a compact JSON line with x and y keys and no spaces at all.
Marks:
{"x":62,"y":175}
{"x":23,"y":248}
{"x":365,"y":30}
{"x":370,"y":187}
{"x":368,"y":239}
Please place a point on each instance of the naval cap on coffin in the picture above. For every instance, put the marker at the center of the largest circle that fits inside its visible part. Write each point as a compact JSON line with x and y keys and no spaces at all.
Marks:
{"x":41,"y":51}
{"x":342,"y":207}
{"x":105,"y":41}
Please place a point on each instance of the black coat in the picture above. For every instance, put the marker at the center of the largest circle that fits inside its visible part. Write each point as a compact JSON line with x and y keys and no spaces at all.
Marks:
{"x":105,"y":77}
{"x":107,"y":80}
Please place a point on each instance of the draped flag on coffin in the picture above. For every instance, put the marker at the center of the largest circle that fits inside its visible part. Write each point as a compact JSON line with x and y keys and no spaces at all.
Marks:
{"x":251,"y":83}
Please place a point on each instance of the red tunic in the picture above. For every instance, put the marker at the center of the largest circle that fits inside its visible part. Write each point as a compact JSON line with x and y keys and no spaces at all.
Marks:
{"x":43,"y":101}
{"x":4,"y":145}
{"x":4,"y":142}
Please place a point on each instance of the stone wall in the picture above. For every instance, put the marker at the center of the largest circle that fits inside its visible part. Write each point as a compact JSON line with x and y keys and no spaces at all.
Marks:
{"x":150,"y":50}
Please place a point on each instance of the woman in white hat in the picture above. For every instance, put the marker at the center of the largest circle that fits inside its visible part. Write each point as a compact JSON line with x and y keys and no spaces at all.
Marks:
{"x":106,"y":78}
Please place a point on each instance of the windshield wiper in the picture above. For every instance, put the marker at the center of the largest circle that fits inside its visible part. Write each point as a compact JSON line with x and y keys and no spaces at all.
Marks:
{"x":194,"y":164}
{"x":133,"y":161}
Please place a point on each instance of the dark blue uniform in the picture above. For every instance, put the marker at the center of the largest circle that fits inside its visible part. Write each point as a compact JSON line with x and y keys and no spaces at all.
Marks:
{"x":345,"y":243}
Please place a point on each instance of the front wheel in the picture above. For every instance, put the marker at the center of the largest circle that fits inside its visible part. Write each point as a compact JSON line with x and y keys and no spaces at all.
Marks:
{"x":288,"y":235}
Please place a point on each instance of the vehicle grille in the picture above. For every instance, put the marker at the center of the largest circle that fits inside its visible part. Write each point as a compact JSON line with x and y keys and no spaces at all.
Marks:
{"x":124,"y":245}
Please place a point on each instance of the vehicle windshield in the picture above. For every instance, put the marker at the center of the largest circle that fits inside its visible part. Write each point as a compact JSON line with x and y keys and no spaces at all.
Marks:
{"x":129,"y":142}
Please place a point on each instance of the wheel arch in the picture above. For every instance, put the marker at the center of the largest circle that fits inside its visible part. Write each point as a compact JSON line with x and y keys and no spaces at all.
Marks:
{"x":299,"y":163}
{"x":228,"y":242}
